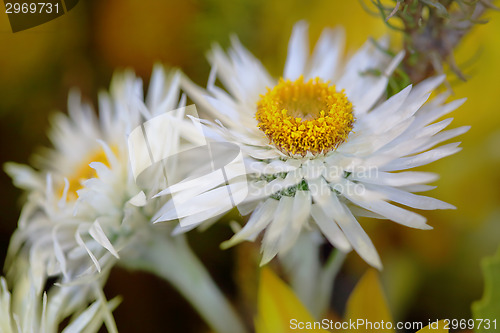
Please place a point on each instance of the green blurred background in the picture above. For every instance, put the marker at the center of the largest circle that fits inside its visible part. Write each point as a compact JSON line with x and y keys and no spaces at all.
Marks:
{"x":428,"y":274}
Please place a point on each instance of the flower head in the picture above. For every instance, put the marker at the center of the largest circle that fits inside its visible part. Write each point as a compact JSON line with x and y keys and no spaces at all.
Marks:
{"x":305,"y":117}
{"x":80,"y":308}
{"x":84,"y":205}
{"x":321,"y":144}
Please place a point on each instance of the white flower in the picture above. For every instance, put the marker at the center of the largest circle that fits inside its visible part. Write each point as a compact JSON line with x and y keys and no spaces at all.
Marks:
{"x":321,"y":145}
{"x":91,"y":204}
{"x":84,"y":206}
{"x":25,"y":311}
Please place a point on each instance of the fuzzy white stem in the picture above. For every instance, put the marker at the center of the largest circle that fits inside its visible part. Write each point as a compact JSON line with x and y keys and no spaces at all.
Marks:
{"x":173,"y":260}
{"x":324,"y":288}
{"x":312,"y":283}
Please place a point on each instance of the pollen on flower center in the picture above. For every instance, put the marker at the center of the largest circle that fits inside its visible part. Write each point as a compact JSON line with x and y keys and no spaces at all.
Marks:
{"x":84,"y":172}
{"x":300,"y":117}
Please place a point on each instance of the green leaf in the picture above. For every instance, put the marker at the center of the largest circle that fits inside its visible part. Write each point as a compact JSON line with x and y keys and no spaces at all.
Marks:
{"x":440,"y":9}
{"x":489,"y":306}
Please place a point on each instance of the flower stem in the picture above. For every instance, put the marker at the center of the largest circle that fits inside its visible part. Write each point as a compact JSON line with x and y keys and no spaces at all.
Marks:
{"x":172,"y":259}
{"x":327,"y":280}
{"x":312,"y":282}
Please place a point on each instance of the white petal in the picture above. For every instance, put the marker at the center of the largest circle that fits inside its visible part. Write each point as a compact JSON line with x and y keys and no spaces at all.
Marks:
{"x":191,"y":221}
{"x":367,"y":56}
{"x":384,"y":123}
{"x":98,"y":234}
{"x":138,"y":200}
{"x":391,"y":212}
{"x":23,"y":176}
{"x":441,"y":137}
{"x":300,"y":213}
{"x":413,"y":200}
{"x":327,"y":54}
{"x":395,"y":179}
{"x":431,"y":113}
{"x":330,"y":229}
{"x":298,"y":52}
{"x":352,"y":230}
{"x":365,"y":144}
{"x":253,"y":76}
{"x":191,"y":187}
{"x":199,"y":96}
{"x":83,"y":319}
{"x":423,"y":158}
{"x":198,"y":204}
{"x":417,"y":188}
{"x":258,"y":221}
{"x":246,"y":208}
{"x":364,"y":99}
{"x":58,"y":252}
{"x":389,"y":107}
{"x":80,"y":242}
{"x":358,"y":211}
{"x":271,"y":241}
{"x":412,"y":140}
{"x":428,"y":85}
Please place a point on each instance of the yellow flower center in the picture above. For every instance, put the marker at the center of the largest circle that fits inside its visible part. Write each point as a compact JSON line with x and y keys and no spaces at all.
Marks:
{"x":84,"y":172}
{"x":300,"y":117}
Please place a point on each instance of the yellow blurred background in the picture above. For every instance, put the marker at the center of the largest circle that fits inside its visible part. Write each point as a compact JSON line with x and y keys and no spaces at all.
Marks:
{"x":428,"y":274}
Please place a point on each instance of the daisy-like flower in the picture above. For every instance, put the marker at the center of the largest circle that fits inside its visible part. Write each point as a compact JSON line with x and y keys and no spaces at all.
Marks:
{"x":321,"y":144}
{"x":25,"y":311}
{"x":84,"y":205}
{"x":90,"y":207}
